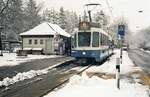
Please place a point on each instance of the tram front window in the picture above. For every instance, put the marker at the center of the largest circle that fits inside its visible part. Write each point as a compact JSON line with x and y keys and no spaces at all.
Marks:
{"x":84,"y":39}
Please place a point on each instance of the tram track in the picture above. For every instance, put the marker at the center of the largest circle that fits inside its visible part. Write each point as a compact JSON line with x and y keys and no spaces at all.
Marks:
{"x":59,"y":85}
{"x":63,"y":72}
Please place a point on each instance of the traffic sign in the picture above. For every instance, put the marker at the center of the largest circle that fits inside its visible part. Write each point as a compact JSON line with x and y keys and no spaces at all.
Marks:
{"x":121,"y":30}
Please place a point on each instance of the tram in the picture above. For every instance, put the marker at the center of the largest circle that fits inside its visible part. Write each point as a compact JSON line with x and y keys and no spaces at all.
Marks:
{"x":90,"y":42}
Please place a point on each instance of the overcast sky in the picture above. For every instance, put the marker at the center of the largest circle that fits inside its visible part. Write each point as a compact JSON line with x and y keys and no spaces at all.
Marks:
{"x":126,"y":8}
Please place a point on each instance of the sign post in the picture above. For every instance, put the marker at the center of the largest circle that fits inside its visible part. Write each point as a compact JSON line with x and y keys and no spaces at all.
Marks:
{"x":118,"y":72}
{"x":121,"y":34}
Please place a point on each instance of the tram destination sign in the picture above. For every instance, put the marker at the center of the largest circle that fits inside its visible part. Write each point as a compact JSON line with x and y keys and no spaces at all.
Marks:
{"x":84,"y":26}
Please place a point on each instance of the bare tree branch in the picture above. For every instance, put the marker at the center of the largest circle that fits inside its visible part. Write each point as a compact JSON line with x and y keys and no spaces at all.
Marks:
{"x":5,"y":6}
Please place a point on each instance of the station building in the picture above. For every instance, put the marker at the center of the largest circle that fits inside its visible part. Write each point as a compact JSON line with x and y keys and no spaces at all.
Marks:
{"x":45,"y":38}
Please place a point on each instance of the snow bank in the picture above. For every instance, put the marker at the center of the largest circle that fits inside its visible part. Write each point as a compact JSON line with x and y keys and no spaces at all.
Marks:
{"x":83,"y":86}
{"x":110,"y":66}
{"x":27,"y":75}
{"x":22,"y":76}
{"x":10,"y":59}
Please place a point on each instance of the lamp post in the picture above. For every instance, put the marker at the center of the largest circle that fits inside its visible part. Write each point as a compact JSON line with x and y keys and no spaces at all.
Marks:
{"x":1,"y":46}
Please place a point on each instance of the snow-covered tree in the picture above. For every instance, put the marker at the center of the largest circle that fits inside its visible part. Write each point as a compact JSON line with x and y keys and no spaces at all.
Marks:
{"x":101,"y":18}
{"x":113,"y":29}
{"x":65,"y":19}
{"x":142,"y":38}
{"x":62,"y":18}
{"x":3,"y":9}
{"x":13,"y":18}
{"x":71,"y":21}
{"x":31,"y":12}
{"x":51,"y":15}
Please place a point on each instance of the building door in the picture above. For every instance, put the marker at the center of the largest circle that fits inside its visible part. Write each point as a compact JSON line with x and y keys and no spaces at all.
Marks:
{"x":48,"y":46}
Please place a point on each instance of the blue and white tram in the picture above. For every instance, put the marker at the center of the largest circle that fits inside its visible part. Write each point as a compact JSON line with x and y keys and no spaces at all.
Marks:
{"x":90,"y":43}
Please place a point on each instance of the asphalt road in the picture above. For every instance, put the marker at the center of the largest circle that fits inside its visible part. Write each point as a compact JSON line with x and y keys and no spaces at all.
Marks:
{"x":39,"y":85}
{"x":10,"y":71}
{"x":141,"y":59}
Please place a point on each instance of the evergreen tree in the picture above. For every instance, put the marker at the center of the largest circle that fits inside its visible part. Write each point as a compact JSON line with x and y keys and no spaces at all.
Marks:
{"x":13,"y":19}
{"x":101,"y":18}
{"x":59,"y":18}
{"x":3,"y":9}
{"x":45,"y":15}
{"x":71,"y":21}
{"x":32,"y":17}
{"x":62,"y":18}
{"x":51,"y":16}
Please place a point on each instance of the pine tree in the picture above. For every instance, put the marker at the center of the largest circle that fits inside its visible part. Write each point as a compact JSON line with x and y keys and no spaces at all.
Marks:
{"x":3,"y":9}
{"x":71,"y":21}
{"x":62,"y":18}
{"x":32,"y":17}
{"x":13,"y":20}
{"x":101,"y":18}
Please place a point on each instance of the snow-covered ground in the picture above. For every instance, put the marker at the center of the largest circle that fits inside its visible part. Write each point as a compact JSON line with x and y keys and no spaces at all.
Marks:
{"x":85,"y":86}
{"x":10,"y":59}
{"x":147,"y":51}
{"x":24,"y":75}
{"x":110,"y":66}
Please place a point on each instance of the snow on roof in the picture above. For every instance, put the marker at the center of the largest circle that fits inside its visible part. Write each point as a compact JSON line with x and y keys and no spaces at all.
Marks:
{"x":42,"y":29}
{"x":46,"y":29}
{"x":59,"y":30}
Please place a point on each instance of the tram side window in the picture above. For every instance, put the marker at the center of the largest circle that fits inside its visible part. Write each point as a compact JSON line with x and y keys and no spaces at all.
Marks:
{"x":102,"y":39}
{"x":105,"y":40}
{"x":74,"y":43}
{"x":107,"y":43}
{"x":95,"y":42}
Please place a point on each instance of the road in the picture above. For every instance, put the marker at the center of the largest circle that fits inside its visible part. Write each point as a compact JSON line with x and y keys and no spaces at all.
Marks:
{"x":141,"y":59}
{"x":10,"y":71}
{"x":40,"y":85}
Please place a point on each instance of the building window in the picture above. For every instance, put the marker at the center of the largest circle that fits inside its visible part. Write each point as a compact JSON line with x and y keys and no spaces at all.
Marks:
{"x":30,"y":41}
{"x":35,"y":41}
{"x":41,"y":41}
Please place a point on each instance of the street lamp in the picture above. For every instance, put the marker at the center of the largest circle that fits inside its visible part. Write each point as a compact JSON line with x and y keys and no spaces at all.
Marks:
{"x":1,"y":47}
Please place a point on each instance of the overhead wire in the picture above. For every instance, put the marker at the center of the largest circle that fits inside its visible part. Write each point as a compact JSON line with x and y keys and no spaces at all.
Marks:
{"x":110,"y":9}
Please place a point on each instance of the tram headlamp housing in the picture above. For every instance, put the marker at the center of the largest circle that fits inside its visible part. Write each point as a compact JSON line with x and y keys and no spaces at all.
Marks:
{"x":83,"y":53}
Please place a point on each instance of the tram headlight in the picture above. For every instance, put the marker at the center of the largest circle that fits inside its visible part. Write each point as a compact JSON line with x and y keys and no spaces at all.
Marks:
{"x":83,"y":53}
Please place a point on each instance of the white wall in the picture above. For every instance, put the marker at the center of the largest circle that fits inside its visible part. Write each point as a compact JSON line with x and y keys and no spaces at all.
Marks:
{"x":47,"y":45}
